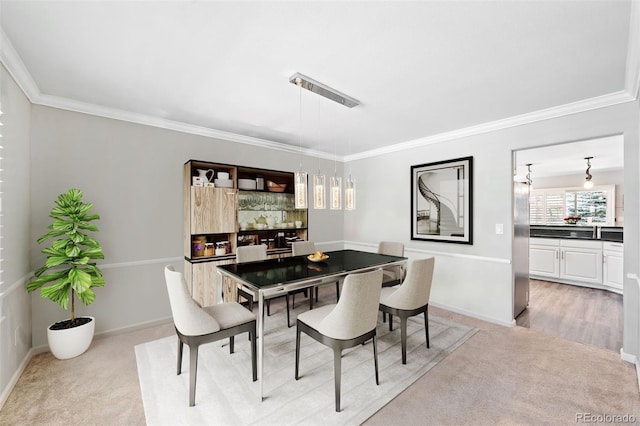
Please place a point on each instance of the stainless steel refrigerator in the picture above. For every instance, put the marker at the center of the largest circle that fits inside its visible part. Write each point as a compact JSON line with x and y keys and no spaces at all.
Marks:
{"x":520,"y":254}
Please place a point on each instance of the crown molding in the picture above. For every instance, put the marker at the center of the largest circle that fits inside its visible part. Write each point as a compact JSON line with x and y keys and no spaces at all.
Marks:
{"x":16,"y":68}
{"x":148,"y":120}
{"x":610,"y":99}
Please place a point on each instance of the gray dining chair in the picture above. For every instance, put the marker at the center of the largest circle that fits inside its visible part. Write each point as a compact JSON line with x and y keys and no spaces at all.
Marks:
{"x":301,"y":248}
{"x":393,"y":275}
{"x":196,"y":325}
{"x":349,"y":323}
{"x":253,"y":254}
{"x":409,"y":299}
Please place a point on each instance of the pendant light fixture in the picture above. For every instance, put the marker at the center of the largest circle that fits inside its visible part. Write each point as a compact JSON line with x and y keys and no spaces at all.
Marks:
{"x":300,"y":184}
{"x":319,"y":191}
{"x":350,"y":193}
{"x":588,"y":183}
{"x":319,"y":187}
{"x":349,"y":189}
{"x":529,"y":180}
{"x":335,"y":184}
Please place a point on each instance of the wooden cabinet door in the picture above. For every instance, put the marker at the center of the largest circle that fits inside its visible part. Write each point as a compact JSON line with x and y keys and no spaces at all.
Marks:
{"x":581,"y":264}
{"x":544,"y":261}
{"x":213,"y":210}
{"x":204,"y":280}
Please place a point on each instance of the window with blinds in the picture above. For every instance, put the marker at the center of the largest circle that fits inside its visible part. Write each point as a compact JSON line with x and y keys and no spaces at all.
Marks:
{"x":551,"y":206}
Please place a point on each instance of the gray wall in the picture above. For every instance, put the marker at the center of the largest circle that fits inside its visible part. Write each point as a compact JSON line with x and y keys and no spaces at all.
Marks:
{"x":15,"y":307}
{"x":133,"y":175}
{"x":477,"y":279}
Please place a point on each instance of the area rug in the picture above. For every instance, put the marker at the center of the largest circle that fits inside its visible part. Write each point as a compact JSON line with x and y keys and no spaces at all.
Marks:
{"x":225,"y":394}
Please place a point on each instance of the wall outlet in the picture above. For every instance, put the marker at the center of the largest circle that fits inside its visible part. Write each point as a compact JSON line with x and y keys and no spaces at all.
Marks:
{"x":499,"y":229}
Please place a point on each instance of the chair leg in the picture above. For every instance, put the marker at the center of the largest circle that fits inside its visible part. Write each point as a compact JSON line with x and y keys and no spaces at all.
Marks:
{"x":193,"y":371}
{"x":231,"y":341}
{"x":268,"y":308}
{"x":337,"y":291}
{"x":403,"y":338}
{"x":426,"y":326}
{"x":254,"y":363}
{"x":180,"y":346}
{"x":337,"y":374}
{"x":288,"y":319}
{"x":311,"y":300}
{"x":390,"y":322}
{"x":297,"y":376}
{"x":384,"y":316}
{"x":293,"y":300}
{"x":375,"y":358}
{"x":316,"y":294}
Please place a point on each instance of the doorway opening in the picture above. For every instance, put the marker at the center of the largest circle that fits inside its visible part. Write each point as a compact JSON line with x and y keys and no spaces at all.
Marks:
{"x":574,"y":254}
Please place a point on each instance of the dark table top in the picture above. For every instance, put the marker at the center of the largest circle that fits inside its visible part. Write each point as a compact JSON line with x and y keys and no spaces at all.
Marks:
{"x":272,"y":272}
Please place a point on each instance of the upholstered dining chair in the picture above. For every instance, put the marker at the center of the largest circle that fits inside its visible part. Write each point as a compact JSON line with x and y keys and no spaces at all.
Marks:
{"x":350,"y":322}
{"x":301,"y":248}
{"x":249,"y":254}
{"x":252,"y":254}
{"x":409,"y":299}
{"x":393,"y":275}
{"x":196,"y":325}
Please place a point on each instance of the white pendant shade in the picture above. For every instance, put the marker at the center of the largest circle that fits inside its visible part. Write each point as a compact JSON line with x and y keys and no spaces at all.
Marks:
{"x":349,"y":194}
{"x":336,"y":193}
{"x":319,"y":192}
{"x":300,"y":190}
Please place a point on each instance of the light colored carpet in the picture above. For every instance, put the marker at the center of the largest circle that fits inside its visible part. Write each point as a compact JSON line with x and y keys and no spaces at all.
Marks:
{"x":225,"y":394}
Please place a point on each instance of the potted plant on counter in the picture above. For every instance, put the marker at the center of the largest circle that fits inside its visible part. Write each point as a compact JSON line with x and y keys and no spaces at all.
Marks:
{"x":70,"y":272}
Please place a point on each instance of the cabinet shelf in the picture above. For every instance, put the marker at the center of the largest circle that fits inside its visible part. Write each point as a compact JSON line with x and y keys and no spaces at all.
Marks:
{"x":215,"y":214}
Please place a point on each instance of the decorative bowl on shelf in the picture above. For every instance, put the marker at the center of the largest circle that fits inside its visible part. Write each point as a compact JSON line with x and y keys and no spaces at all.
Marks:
{"x":224,"y":183}
{"x":249,"y":184}
{"x":276,"y":187}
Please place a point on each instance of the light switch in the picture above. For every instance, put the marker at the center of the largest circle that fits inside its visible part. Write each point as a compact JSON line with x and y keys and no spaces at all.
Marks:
{"x":499,"y":229}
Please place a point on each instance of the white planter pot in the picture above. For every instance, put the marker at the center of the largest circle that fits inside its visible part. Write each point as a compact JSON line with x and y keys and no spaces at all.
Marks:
{"x":71,"y":342}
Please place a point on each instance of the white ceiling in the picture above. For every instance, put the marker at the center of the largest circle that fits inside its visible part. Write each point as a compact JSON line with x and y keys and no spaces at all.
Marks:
{"x":569,"y":158}
{"x":422,"y":70}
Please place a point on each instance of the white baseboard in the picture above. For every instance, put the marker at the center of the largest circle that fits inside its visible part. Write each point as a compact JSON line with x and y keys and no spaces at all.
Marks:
{"x":45,"y":348}
{"x":633,"y":360}
{"x":464,"y":312}
{"x":628,"y":357}
{"x":16,"y":376}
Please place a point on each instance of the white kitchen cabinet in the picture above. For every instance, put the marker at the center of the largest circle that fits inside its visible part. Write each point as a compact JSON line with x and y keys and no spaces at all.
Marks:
{"x":581,"y":263}
{"x":613,"y":262}
{"x":571,"y":261}
{"x":544,"y":257}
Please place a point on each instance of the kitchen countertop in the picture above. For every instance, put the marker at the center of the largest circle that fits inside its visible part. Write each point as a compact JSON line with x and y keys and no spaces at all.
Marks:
{"x":577,"y":232}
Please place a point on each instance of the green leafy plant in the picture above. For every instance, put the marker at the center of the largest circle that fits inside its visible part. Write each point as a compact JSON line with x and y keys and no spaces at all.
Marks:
{"x":68,"y":270}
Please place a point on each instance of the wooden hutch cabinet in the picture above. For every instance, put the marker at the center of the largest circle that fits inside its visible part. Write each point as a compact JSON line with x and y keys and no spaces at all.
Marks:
{"x":244,"y":206}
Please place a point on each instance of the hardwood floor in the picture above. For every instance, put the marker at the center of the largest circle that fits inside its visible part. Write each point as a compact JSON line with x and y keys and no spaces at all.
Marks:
{"x":579,"y":314}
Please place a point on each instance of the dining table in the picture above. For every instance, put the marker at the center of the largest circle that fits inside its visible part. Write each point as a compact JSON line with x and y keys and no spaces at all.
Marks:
{"x":269,"y":278}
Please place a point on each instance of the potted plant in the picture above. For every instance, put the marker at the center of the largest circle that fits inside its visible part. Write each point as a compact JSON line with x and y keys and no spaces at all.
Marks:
{"x":70,"y":272}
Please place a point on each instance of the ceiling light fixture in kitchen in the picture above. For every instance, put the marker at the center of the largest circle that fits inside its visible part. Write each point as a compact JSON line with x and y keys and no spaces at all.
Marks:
{"x":588,"y":183}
